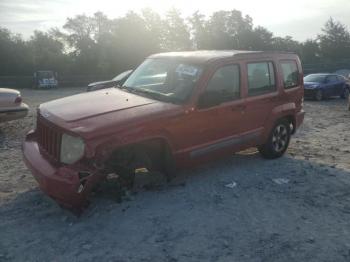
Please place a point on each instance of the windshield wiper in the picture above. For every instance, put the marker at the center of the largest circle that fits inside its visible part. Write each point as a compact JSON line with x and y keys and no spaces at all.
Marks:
{"x":126,"y":88}
{"x":151,"y":94}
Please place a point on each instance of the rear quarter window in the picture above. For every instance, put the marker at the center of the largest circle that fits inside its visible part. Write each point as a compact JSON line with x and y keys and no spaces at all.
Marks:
{"x":290,"y":74}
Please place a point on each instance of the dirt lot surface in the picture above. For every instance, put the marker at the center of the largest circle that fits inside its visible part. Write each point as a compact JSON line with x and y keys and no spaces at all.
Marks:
{"x":243,"y":208}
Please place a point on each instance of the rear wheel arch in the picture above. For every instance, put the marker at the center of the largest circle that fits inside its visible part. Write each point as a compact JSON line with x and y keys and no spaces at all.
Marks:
{"x":280,"y":112}
{"x":292,"y":121}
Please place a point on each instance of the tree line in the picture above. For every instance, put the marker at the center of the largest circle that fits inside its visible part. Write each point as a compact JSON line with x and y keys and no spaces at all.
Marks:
{"x":97,"y":45}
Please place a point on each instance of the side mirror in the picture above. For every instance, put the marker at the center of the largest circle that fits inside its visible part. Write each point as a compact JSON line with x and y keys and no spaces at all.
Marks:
{"x":209,"y":99}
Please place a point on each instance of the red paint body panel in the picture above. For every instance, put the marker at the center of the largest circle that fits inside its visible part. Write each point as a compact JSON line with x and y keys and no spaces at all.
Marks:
{"x":111,"y":118}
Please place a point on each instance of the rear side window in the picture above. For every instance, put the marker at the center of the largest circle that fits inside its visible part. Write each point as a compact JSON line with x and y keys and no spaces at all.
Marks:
{"x":290,"y":74}
{"x":340,"y":78}
{"x":332,"y":79}
{"x":225,"y":82}
{"x":261,"y":78}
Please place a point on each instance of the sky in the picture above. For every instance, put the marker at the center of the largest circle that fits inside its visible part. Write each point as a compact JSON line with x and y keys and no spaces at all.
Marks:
{"x":301,"y":19}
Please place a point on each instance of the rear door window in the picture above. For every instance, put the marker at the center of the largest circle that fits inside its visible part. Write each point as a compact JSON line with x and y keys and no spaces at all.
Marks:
{"x":261,"y":78}
{"x":332,"y":79}
{"x":340,"y":78}
{"x":290,"y":74}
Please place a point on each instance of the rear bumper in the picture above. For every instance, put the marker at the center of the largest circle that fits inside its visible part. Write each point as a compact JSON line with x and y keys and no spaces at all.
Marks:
{"x":62,"y":183}
{"x":14,"y":113}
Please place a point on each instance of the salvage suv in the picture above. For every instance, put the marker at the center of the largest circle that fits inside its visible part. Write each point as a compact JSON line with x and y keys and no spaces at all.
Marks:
{"x":174,"y":111}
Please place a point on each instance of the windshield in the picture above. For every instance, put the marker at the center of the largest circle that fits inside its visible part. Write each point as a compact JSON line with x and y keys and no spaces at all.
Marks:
{"x":45,"y":74}
{"x":315,"y":78}
{"x":164,"y":79}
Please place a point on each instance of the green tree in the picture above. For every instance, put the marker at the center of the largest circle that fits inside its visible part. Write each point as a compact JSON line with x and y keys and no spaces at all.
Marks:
{"x":334,"y":41}
{"x":15,"y":55}
{"x":176,"y":32}
{"x":229,"y":30}
{"x":286,"y":43}
{"x":310,"y":52}
{"x":199,"y":31}
{"x":47,"y":52}
{"x":261,"y":39}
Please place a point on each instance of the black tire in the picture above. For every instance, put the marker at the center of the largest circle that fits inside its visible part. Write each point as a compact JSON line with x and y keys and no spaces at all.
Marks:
{"x":278,"y":140}
{"x":319,"y":95}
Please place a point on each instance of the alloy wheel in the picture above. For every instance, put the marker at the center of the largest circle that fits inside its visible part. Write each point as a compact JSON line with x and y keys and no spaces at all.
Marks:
{"x":280,"y":138}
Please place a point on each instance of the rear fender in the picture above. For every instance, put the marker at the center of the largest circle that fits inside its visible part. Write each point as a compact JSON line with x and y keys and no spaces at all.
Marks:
{"x":282,"y":111}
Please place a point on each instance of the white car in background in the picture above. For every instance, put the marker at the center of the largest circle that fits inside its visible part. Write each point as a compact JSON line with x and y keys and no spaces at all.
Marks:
{"x":11,"y":105}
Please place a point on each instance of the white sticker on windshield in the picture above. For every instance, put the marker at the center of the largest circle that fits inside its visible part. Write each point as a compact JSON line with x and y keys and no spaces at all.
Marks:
{"x":186,"y":70}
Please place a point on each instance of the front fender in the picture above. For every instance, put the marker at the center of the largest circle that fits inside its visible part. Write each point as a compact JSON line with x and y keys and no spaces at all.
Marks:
{"x":101,"y":149}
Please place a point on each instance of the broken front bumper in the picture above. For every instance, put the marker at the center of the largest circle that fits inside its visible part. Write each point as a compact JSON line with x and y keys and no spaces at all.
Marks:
{"x":68,"y":185}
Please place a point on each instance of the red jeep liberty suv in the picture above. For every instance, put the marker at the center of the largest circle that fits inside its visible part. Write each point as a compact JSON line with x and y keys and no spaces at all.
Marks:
{"x":175,"y":110}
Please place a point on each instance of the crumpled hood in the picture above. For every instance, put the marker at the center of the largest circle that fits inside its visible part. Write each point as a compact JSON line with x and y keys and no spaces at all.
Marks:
{"x":88,"y":105}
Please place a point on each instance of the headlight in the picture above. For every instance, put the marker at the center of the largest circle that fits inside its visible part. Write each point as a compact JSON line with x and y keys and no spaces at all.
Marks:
{"x":72,"y":149}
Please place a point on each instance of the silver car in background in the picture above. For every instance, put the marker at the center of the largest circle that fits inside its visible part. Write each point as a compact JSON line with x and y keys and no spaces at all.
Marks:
{"x":11,"y":105}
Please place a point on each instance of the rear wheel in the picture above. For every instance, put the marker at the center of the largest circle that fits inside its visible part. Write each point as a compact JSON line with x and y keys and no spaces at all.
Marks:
{"x":345,"y":94}
{"x":278,"y":140}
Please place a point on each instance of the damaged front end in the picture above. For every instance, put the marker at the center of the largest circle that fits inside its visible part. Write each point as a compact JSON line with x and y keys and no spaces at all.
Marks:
{"x":69,"y":182}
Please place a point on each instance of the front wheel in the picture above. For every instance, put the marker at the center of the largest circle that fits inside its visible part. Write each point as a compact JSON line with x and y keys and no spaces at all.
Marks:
{"x":345,"y":94}
{"x":278,"y":140}
{"x":319,"y":95}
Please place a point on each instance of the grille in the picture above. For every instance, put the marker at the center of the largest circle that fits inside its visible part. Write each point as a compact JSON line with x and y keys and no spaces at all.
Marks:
{"x":49,"y":138}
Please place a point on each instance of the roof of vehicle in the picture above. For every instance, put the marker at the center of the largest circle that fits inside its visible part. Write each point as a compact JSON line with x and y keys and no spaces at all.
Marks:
{"x":204,"y":56}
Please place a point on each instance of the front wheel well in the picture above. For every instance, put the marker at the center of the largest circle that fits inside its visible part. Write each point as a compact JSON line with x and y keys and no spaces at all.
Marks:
{"x":157,"y":151}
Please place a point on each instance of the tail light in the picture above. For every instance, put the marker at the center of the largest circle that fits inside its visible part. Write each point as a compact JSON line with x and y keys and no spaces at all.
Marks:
{"x":18,"y":100}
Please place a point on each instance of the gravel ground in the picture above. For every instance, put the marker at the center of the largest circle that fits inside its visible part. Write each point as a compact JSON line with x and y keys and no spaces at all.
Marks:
{"x":243,"y":208}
